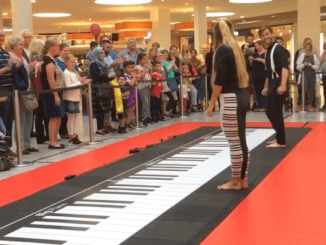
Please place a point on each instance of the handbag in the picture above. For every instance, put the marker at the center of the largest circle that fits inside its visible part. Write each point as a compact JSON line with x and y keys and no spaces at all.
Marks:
{"x":28,"y":101}
{"x":171,"y":82}
{"x":19,"y":77}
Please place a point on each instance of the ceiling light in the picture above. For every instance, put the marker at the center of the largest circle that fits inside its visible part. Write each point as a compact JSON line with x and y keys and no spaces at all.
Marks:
{"x":5,"y":14}
{"x":186,"y":3}
{"x":33,"y":1}
{"x":242,"y":17}
{"x":273,"y":16}
{"x":218,"y":14}
{"x":51,"y":15}
{"x":249,"y":1}
{"x":173,"y":23}
{"x":7,"y":29}
{"x":247,"y":22}
{"x":122,"y":2}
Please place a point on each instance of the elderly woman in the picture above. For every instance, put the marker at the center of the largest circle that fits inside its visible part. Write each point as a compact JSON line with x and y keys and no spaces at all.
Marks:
{"x":16,"y":44}
{"x":52,"y":102}
{"x":100,"y":74}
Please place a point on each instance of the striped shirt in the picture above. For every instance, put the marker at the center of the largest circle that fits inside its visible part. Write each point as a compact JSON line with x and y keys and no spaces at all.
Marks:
{"x":6,"y":78}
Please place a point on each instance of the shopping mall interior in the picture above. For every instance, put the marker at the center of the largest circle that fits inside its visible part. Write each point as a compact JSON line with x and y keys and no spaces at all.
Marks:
{"x":155,"y":181}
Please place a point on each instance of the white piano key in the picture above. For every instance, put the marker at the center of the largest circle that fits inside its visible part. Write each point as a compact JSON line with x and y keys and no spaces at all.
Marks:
{"x":70,"y":218}
{"x":26,"y":243}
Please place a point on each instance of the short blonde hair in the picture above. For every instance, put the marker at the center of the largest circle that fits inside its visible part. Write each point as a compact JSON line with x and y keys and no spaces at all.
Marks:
{"x":12,"y":41}
{"x":49,"y":43}
{"x":70,"y":57}
{"x":36,"y":47}
{"x":23,"y":32}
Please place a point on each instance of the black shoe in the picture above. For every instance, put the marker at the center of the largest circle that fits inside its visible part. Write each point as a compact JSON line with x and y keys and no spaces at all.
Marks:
{"x":254,"y":107}
{"x":155,"y":120}
{"x":26,"y":152}
{"x":115,"y":120}
{"x":75,"y":141}
{"x":162,"y":118}
{"x":149,"y":120}
{"x":145,"y":123}
{"x":33,"y":134}
{"x":64,"y":136}
{"x":32,"y":149}
{"x":56,"y":147}
{"x":122,"y":130}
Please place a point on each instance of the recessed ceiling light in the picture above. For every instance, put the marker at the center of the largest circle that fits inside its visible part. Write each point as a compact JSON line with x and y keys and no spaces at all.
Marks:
{"x":173,"y":23}
{"x":4,"y":14}
{"x":273,"y":16}
{"x":89,"y":19}
{"x":249,"y":1}
{"x":7,"y":29}
{"x":122,"y":2}
{"x":33,"y":1}
{"x":51,"y":15}
{"x":218,"y":14}
{"x":247,"y":22}
{"x":242,"y":16}
{"x":186,"y":3}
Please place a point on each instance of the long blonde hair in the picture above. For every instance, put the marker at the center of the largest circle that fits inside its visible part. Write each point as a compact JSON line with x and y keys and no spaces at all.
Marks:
{"x":224,"y":35}
{"x":36,"y":47}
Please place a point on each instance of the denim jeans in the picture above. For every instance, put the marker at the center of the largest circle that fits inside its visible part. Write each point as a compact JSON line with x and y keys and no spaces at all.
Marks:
{"x":26,"y":120}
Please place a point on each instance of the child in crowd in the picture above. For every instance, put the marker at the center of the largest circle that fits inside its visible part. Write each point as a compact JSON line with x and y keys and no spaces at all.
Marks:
{"x":72,"y":97}
{"x":186,"y":84}
{"x":131,"y":80}
{"x":125,"y":96}
{"x":156,"y":91}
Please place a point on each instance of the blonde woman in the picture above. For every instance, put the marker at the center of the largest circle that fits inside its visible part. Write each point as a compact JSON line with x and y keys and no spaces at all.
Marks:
{"x":229,"y":81}
{"x":41,"y":122}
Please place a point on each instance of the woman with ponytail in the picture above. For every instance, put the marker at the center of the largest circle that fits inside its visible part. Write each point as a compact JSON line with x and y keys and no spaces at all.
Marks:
{"x":229,"y":81}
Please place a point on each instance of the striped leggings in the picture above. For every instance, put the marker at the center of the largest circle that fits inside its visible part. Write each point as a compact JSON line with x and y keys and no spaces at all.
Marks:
{"x":233,"y":119}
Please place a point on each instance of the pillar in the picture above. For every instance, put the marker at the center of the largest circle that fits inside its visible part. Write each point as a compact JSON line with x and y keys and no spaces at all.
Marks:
{"x":161,"y":29}
{"x":1,"y":20}
{"x":309,"y":22}
{"x":22,"y":16}
{"x":200,"y":25}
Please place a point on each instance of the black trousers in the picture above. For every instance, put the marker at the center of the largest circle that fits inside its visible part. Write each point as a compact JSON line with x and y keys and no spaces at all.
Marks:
{"x":274,"y":112}
{"x":41,"y":124}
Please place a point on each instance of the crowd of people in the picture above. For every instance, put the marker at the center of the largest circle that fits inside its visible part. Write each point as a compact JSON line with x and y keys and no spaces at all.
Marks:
{"x":305,"y":60}
{"x":27,"y":63}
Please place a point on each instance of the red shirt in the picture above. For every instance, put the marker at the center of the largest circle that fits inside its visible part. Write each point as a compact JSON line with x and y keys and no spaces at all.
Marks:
{"x":157,"y":87}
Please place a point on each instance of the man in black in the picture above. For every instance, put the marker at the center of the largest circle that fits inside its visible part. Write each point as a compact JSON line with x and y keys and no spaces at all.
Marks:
{"x":277,"y":71}
{"x":248,"y":50}
{"x":209,"y":65}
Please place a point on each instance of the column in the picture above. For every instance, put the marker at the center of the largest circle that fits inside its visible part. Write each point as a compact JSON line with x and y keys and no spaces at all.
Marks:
{"x":1,"y":20}
{"x":309,"y":22}
{"x":161,"y":29}
{"x":200,"y":25}
{"x":22,"y":16}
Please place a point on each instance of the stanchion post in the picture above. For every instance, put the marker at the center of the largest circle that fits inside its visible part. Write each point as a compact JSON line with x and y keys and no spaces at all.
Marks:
{"x":19,"y":133}
{"x":90,"y":113}
{"x":303,"y":94}
{"x":206,"y":92}
{"x":137,"y":109}
{"x":181,"y":96}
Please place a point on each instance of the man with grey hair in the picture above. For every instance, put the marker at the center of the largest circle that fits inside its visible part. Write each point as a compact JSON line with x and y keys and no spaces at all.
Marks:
{"x":6,"y":85}
{"x":28,"y":36}
{"x":131,"y":53}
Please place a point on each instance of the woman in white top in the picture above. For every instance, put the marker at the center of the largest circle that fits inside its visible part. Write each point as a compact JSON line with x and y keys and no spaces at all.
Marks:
{"x":72,"y":97}
{"x":26,"y":116}
{"x":308,"y":62}
{"x":144,"y":70}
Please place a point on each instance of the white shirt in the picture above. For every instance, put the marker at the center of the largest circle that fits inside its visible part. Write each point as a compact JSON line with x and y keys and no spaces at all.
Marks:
{"x":71,"y":80}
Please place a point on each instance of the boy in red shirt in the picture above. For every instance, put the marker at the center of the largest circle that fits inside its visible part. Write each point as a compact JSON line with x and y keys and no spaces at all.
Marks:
{"x":156,"y":91}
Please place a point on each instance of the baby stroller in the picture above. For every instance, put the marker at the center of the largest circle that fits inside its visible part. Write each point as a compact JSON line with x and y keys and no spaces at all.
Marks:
{"x":5,"y":163}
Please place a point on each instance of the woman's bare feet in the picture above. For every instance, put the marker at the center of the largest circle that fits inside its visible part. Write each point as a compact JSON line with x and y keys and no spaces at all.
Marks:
{"x":244,"y":184}
{"x":271,"y":142}
{"x":234,"y":184}
{"x":275,"y":145}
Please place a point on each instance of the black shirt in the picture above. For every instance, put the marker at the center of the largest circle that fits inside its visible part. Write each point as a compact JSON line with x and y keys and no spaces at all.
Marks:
{"x":253,"y":49}
{"x":44,"y":79}
{"x":258,"y":68}
{"x":209,"y":62}
{"x":226,"y":71}
{"x":280,"y":60}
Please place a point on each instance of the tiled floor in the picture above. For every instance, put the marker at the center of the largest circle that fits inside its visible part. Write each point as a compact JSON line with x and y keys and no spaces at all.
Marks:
{"x":45,"y":156}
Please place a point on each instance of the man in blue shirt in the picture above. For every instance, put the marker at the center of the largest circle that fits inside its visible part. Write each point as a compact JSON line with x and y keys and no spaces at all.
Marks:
{"x":6,"y":85}
{"x":131,"y":53}
{"x":112,"y":53}
{"x":89,"y":55}
{"x":105,"y":44}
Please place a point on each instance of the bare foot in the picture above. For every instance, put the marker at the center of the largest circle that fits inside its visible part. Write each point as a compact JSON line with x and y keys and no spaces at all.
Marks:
{"x":232,"y":185}
{"x":271,"y":142}
{"x":244,"y":184}
{"x":275,"y":145}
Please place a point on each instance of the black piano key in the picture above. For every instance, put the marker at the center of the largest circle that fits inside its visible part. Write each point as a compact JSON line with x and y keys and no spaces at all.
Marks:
{"x":80,"y":216}
{"x":157,"y":175}
{"x":57,"y":227}
{"x":129,"y":189}
{"x":32,"y":240}
{"x":144,"y":178}
{"x":124,"y":193}
{"x":169,"y":170}
{"x":97,"y":205}
{"x":71,"y":221}
{"x":151,"y":186}
{"x":169,"y":166}
{"x":108,"y":201}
